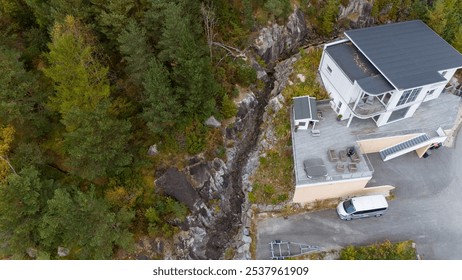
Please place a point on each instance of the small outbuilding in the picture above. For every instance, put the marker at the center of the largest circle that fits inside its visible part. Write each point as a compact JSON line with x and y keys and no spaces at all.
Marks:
{"x":305,"y":112}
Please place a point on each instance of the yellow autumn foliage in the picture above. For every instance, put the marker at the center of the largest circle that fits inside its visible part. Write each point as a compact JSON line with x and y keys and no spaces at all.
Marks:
{"x":6,"y":138}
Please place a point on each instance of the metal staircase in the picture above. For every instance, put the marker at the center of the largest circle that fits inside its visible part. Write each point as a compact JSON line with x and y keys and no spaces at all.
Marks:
{"x":404,"y":147}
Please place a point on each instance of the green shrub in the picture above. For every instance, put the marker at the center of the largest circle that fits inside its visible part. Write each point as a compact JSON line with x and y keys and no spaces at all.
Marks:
{"x":228,"y":108}
{"x":162,"y":213}
{"x":380,"y":251}
{"x":195,"y":137}
{"x":278,"y":8}
{"x":252,"y":197}
{"x":328,"y":17}
{"x":246,"y":75}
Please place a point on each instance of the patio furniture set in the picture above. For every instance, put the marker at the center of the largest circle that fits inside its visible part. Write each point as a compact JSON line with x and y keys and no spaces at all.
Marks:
{"x":342,"y":156}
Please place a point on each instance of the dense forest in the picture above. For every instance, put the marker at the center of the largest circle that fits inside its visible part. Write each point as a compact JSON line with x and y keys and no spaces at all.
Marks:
{"x":87,"y":86}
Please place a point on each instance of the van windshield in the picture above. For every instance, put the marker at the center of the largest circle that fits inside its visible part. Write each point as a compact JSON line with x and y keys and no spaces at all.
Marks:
{"x":348,"y":206}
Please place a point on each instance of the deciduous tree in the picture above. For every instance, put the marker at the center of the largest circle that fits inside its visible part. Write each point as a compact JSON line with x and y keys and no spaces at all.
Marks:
{"x":6,"y":139}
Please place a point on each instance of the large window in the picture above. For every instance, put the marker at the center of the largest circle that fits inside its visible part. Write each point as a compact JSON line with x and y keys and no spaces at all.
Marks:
{"x":398,"y":114}
{"x":409,"y":96}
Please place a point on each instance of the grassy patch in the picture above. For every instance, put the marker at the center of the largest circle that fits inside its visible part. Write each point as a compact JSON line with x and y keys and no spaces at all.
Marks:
{"x":307,"y":66}
{"x":273,"y":180}
{"x":380,"y":251}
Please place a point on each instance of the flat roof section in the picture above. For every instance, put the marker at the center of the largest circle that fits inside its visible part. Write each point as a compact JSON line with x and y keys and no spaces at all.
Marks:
{"x":375,"y":85}
{"x":409,"y":54}
{"x":358,"y":68}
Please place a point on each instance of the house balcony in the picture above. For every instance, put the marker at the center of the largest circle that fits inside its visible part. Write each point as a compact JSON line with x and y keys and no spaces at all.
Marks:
{"x":367,"y":107}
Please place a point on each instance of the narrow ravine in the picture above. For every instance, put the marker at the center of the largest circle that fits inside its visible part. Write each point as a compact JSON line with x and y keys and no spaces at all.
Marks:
{"x":226,"y":227}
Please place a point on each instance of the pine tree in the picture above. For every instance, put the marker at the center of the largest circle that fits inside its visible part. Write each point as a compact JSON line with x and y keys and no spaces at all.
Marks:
{"x":85,"y":225}
{"x":14,"y":86}
{"x":161,"y":109}
{"x":183,"y":48}
{"x":47,"y":12}
{"x":22,"y":202}
{"x":135,"y":50}
{"x":79,"y":78}
{"x":113,"y":16}
{"x":97,"y":144}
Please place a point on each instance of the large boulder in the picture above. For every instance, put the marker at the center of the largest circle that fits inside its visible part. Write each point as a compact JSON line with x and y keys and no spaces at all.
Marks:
{"x":175,"y":184}
{"x":212,"y":122}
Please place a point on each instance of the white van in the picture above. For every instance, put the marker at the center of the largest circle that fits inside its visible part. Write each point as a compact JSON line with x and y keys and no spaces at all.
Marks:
{"x":362,"y":207}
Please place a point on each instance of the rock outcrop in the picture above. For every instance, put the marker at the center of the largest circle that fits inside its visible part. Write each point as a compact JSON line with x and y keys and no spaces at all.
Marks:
{"x":276,"y":41}
{"x":358,"y":12}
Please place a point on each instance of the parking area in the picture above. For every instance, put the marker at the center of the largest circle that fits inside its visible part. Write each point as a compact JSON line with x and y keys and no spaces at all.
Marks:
{"x":426,"y":209}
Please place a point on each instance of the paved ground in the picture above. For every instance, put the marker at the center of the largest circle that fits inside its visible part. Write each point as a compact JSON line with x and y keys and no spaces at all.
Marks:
{"x":427,"y":209}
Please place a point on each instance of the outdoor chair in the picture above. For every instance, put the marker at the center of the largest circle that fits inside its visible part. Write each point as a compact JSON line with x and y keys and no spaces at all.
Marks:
{"x":332,"y":155}
{"x":342,"y":155}
{"x":355,"y":157}
{"x":352,"y":167}
{"x":316,"y":132}
{"x":370,"y":100}
{"x":340,"y":167}
{"x":319,"y":114}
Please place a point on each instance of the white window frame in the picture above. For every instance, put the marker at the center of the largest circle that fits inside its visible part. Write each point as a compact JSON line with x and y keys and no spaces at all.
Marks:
{"x":408,"y":96}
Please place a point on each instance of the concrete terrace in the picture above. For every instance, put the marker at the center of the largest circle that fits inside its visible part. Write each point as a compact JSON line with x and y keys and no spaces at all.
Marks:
{"x":431,"y":115}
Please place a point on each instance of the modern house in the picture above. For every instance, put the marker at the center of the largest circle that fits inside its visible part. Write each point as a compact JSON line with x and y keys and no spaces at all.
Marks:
{"x":386,"y":86}
{"x":385,"y":73}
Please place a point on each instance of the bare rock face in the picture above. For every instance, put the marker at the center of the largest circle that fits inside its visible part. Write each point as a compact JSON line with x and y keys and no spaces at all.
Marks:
{"x":358,"y":12}
{"x":174,"y":183}
{"x":277,"y":40}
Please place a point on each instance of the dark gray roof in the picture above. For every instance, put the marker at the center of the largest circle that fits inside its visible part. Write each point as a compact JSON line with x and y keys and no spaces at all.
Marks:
{"x":375,"y":84}
{"x":408,"y":54}
{"x":305,"y":108}
{"x":357,"y":67}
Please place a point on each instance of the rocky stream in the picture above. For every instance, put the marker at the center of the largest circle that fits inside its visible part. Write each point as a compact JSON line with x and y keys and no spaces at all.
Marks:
{"x":215,"y":191}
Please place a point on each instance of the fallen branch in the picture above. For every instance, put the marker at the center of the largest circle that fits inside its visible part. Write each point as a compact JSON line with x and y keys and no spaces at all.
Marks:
{"x":11,"y":166}
{"x":235,"y":52}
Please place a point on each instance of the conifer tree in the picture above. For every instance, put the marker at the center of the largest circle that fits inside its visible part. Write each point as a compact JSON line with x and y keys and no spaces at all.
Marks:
{"x":22,"y":202}
{"x":161,"y":109}
{"x":85,"y":225}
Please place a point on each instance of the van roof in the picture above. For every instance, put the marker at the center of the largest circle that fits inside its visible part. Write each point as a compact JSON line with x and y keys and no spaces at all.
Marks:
{"x":369,"y":202}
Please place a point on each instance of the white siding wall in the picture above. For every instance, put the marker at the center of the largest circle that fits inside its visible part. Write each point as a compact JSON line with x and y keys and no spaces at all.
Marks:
{"x":423,"y":96}
{"x":337,"y":84}
{"x":439,"y":87}
{"x":303,"y":127}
